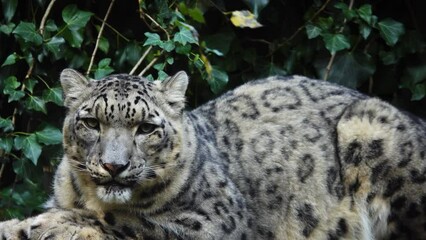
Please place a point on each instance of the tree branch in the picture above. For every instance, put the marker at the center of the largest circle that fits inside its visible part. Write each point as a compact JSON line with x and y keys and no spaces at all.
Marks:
{"x":99,"y":37}
{"x":43,"y":20}
{"x":329,"y":65}
{"x":148,"y":66}
{"x":140,"y":60}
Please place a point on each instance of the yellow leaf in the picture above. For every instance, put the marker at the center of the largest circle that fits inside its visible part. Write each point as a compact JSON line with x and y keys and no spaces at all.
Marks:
{"x":244,"y":19}
{"x":207,"y":64}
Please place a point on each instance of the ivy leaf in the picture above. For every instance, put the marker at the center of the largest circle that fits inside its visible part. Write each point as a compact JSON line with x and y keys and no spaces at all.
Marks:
{"x":53,"y":95}
{"x":9,"y":9}
{"x":150,"y":77}
{"x":11,"y":59}
{"x":29,"y":84}
{"x":6,"y":143}
{"x":50,"y":26}
{"x":75,"y":18}
{"x":390,"y":30}
{"x":196,"y":14}
{"x":76,"y":60}
{"x":18,"y":142}
{"x":27,"y":32}
{"x":336,"y":42}
{"x":104,"y":62}
{"x":104,"y":44}
{"x":11,"y":83}
{"x":49,"y":136}
{"x":73,"y":37}
{"x":102,"y":72}
{"x":365,"y":13}
{"x":312,"y":31}
{"x":37,"y":104}
{"x":219,"y":43}
{"x":14,"y":95}
{"x":217,"y":79}
{"x":131,"y":53}
{"x":244,"y":19}
{"x":419,"y":92}
{"x":162,"y":75}
{"x":6,"y":124}
{"x":184,"y":36}
{"x":31,"y":148}
{"x":55,"y":46}
{"x":103,"y":68}
{"x":159,"y":66}
{"x":414,"y":79}
{"x":170,"y":60}
{"x":388,"y":57}
{"x":184,"y":50}
{"x":153,"y":39}
{"x":349,"y":14}
{"x":168,"y":46}
{"x":364,"y":30}
{"x":7,"y":28}
{"x":325,"y":23}
{"x":199,"y":62}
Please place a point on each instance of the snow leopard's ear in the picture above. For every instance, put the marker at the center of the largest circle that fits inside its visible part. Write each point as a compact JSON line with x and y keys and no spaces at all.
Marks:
{"x":173,"y":89}
{"x":73,"y":85}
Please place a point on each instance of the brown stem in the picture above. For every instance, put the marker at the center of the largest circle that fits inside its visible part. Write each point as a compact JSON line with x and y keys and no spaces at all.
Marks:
{"x":2,"y":166}
{"x":140,"y":60}
{"x":148,"y":66}
{"x":142,"y":16}
{"x":370,"y":85}
{"x":329,"y":65}
{"x":92,"y":59}
{"x":43,"y":20}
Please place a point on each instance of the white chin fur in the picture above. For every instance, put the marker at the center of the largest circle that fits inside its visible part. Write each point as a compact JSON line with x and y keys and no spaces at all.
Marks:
{"x":114,"y":194}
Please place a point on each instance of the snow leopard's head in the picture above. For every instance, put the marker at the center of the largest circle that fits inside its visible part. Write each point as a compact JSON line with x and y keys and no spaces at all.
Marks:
{"x":122,"y":132}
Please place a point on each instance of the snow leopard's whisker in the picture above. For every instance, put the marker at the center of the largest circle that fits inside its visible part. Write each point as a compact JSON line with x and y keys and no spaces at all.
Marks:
{"x":78,"y":165}
{"x":163,"y":166}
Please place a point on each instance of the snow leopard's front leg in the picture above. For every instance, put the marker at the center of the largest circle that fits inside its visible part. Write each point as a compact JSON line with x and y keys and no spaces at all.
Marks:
{"x":56,"y":224}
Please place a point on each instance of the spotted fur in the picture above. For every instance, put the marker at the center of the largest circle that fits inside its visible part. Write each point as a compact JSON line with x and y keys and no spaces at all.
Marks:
{"x":279,"y":158}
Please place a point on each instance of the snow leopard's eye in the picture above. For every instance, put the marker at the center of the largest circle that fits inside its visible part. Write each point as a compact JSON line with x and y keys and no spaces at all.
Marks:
{"x":146,"y":128}
{"x":91,"y":123}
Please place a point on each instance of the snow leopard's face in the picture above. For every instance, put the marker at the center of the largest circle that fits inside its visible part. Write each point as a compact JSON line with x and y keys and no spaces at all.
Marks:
{"x":122,"y":132}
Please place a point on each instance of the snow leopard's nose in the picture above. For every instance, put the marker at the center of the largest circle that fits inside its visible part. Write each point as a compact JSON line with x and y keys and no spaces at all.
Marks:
{"x":115,"y":169}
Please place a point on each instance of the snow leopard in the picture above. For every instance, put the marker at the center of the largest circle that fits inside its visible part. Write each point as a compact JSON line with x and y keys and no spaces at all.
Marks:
{"x":276,"y":158}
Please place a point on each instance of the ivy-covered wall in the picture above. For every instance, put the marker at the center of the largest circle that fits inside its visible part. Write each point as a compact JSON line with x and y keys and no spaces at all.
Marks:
{"x":376,"y":46}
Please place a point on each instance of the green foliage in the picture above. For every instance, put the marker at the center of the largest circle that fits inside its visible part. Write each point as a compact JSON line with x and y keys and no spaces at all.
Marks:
{"x":221,"y":44}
